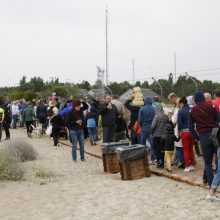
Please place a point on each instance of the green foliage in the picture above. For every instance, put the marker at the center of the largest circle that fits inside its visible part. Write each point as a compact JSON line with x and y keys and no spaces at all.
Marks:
{"x":36,"y":84}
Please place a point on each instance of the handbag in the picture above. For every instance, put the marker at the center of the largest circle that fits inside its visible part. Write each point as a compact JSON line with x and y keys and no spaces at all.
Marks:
{"x":49,"y":129}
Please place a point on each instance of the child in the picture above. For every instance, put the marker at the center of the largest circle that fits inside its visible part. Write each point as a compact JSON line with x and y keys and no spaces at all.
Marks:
{"x":167,"y":144}
{"x":91,"y":119}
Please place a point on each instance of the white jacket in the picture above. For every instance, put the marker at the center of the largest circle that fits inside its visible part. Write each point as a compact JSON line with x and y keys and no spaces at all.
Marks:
{"x":174,"y":119}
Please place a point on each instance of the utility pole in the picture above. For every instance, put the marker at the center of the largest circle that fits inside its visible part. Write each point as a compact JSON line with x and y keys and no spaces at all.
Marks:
{"x":133,"y":70}
{"x":161,"y":89}
{"x":106,"y":46}
{"x":174,"y":67}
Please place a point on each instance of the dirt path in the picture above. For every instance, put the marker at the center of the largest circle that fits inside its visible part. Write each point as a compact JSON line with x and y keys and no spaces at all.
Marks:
{"x":83,"y":191}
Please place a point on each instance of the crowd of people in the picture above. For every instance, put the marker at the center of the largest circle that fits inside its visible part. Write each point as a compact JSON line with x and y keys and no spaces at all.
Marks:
{"x":170,"y":134}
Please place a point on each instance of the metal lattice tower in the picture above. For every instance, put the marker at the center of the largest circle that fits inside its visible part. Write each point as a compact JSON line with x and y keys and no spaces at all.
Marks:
{"x":101,"y":83}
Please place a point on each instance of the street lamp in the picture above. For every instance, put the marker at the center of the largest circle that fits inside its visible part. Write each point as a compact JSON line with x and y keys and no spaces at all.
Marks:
{"x":161,"y":89}
{"x":194,"y":81}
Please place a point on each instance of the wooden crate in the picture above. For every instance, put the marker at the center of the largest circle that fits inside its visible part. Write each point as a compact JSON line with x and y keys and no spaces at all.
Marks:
{"x":134,"y":169}
{"x":110,"y":163}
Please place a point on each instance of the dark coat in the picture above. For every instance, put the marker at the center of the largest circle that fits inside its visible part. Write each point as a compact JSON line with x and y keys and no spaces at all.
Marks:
{"x":134,"y":113}
{"x":109,"y":116}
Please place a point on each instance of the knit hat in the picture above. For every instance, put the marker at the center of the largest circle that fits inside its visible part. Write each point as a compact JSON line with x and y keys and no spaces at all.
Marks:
{"x":76,"y":103}
{"x":199,"y":97}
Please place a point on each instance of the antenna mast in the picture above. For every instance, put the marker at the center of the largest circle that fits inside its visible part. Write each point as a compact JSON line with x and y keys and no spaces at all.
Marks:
{"x":106,"y":46}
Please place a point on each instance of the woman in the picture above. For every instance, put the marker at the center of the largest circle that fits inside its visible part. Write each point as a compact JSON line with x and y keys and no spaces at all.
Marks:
{"x":187,"y":137}
{"x":178,"y":145}
{"x":75,"y":125}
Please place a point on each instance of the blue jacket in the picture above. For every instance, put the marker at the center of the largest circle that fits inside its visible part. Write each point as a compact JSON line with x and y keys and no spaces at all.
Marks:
{"x":66,"y":110}
{"x":183,"y":118}
{"x":146,"y":114}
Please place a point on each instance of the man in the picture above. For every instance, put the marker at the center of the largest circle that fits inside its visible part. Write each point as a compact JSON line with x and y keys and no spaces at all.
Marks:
{"x":204,"y":117}
{"x":14,"y":112}
{"x":2,"y":114}
{"x":208,"y":98}
{"x":21,"y":107}
{"x":109,"y":115}
{"x":75,"y":125}
{"x":145,"y":118}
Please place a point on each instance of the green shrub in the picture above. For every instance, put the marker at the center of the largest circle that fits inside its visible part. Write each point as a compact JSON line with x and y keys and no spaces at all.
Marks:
{"x":43,"y":174}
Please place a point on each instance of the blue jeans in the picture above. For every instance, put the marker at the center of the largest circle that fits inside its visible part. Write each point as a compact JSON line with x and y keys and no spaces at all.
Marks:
{"x":216,"y":180}
{"x":15,"y":119}
{"x":146,"y":136}
{"x":108,"y":134}
{"x":179,"y":153}
{"x":22,"y":119}
{"x":208,"y":150}
{"x":92,"y":134}
{"x":77,"y":136}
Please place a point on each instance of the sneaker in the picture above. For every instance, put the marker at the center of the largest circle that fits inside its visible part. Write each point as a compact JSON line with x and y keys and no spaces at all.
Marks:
{"x":181,"y":166}
{"x":94,"y":143}
{"x":151,"y":162}
{"x":169,"y":171}
{"x":192,"y":168}
{"x":187,"y":169}
{"x":213,"y":198}
{"x":83,"y":160}
{"x":74,"y":160}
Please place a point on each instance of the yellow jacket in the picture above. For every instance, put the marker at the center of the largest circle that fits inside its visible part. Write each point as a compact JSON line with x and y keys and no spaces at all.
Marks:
{"x":2,"y":115}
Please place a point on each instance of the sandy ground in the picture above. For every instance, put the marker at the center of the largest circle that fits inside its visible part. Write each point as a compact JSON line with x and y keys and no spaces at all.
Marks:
{"x":83,"y":191}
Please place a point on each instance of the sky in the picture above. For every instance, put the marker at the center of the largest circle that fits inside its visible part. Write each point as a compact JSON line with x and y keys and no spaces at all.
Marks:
{"x":66,"y":39}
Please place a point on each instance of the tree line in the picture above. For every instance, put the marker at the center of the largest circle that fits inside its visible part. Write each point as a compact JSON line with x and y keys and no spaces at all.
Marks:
{"x":36,"y":87}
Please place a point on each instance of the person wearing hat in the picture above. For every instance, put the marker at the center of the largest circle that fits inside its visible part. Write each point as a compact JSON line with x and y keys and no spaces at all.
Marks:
{"x":74,"y":121}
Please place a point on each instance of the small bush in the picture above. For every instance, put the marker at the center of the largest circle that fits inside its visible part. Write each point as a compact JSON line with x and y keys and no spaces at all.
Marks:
{"x":41,"y":173}
{"x":23,"y":149}
{"x":10,"y":168}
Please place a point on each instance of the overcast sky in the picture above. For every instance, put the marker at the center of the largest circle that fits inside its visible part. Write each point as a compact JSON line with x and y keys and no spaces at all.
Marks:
{"x":66,"y":39}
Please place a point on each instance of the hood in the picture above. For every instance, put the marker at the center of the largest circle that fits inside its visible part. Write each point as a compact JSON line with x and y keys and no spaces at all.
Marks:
{"x":159,"y":109}
{"x":199,"y":97}
{"x":148,"y":100}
